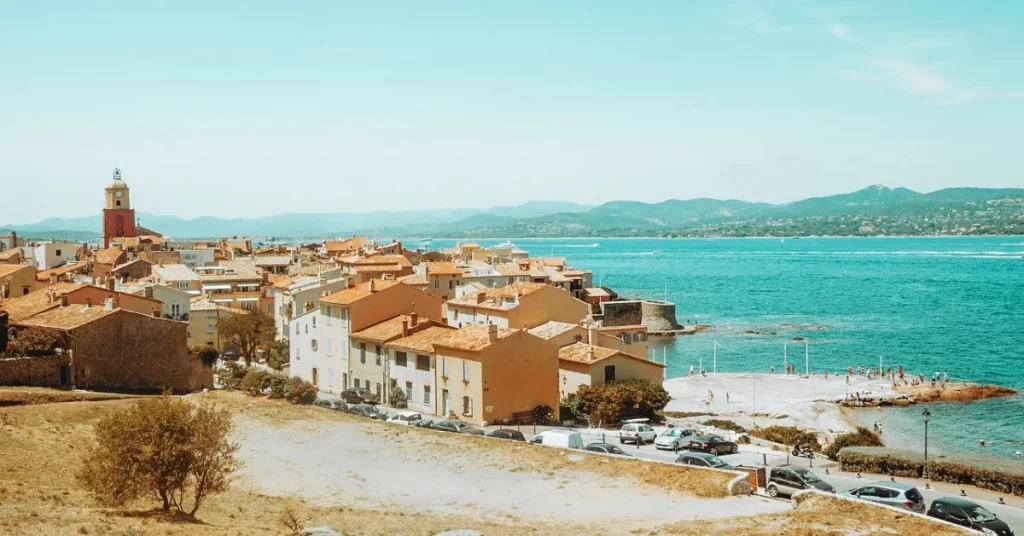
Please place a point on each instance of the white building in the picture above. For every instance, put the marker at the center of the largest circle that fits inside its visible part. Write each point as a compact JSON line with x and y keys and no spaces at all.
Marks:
{"x":194,"y":258}
{"x":291,"y":300}
{"x":176,"y":302}
{"x":304,"y":350}
{"x":54,"y":254}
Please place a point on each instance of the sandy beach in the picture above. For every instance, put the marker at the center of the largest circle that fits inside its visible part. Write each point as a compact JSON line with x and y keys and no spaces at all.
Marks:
{"x":775,"y":398}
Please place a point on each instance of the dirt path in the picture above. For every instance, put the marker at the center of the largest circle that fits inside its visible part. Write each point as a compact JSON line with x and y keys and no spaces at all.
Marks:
{"x":370,"y":465}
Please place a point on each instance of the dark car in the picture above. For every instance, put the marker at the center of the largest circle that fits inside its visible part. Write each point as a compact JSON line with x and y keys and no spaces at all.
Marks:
{"x":786,"y":480}
{"x":367,"y":410}
{"x":337,"y":405}
{"x":321,"y":403}
{"x":359,"y":395}
{"x":702,"y":459}
{"x":458,"y":427}
{"x":606,"y":448}
{"x":968,"y":514}
{"x":713,"y":444}
{"x":504,"y":433}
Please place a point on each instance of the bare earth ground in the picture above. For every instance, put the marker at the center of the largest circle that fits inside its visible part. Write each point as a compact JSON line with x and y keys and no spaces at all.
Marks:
{"x":370,"y":478}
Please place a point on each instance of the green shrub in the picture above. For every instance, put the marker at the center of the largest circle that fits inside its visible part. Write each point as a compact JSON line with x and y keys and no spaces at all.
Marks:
{"x":788,"y":435}
{"x":723,"y":424}
{"x":996,"y":474}
{"x":397,"y":398}
{"x":543,"y":415}
{"x":256,"y":382}
{"x":611,"y":402}
{"x":232,"y":374}
{"x":571,"y":409}
{"x":862,"y":437}
{"x":301,"y":392}
{"x":279,"y":385}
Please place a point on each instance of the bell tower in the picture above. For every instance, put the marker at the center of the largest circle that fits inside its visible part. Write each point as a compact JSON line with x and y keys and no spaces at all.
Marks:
{"x":118,"y":216}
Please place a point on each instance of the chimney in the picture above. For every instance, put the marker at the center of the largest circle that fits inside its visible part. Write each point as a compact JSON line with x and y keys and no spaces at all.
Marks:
{"x":492,"y":333}
{"x":308,"y":306}
{"x":110,"y":282}
{"x":592,"y":334}
{"x":414,"y":318}
{"x":88,"y":303}
{"x":405,"y":328}
{"x":108,"y":304}
{"x":64,"y":301}
{"x":14,"y":239}
{"x":373,"y":285}
{"x":590,"y":354}
{"x":481,"y":296}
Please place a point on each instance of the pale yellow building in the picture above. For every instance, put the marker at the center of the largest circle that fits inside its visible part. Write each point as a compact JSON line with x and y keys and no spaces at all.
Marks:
{"x":584,"y":364}
{"x":520,"y":305}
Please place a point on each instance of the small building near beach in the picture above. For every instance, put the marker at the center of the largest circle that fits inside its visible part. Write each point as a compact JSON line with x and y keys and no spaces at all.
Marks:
{"x":584,"y":364}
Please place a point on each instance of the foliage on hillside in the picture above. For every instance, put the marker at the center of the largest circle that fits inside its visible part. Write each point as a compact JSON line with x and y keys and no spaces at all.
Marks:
{"x":609,"y":403}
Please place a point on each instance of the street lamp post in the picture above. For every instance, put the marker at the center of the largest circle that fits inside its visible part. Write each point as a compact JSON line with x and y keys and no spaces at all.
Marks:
{"x":926,"y":416}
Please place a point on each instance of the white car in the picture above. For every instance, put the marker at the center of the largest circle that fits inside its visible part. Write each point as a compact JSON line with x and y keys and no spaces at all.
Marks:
{"x":566,"y":439}
{"x":406,"y":418}
{"x":630,"y":432}
{"x":674,"y":439}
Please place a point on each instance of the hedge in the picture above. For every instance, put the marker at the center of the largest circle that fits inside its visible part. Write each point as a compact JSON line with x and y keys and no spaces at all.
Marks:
{"x":996,"y":474}
{"x":862,"y":437}
{"x":723,"y":424}
{"x":788,"y":435}
{"x":273,"y":384}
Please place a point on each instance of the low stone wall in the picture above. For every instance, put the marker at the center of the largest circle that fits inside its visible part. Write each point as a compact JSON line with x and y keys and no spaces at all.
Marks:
{"x":659,"y":316}
{"x":34,"y":371}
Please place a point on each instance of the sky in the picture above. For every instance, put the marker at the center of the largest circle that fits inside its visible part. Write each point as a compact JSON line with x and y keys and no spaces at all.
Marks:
{"x":252,"y":108}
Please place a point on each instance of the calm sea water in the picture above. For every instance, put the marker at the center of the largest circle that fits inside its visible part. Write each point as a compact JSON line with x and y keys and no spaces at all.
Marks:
{"x":930,"y":304}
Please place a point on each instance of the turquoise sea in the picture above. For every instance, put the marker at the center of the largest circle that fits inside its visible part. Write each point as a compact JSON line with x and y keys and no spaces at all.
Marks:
{"x":930,"y":304}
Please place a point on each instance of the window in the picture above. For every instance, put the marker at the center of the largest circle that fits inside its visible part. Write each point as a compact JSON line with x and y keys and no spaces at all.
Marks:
{"x":362,"y":352}
{"x":296,"y":329}
{"x":329,"y":346}
{"x":314,"y":321}
{"x":377,"y":348}
{"x":378,"y":389}
{"x":330,"y":376}
{"x":426,"y":395}
{"x":422,"y":362}
{"x":444,"y":367}
{"x":344,"y":379}
{"x":437,"y":283}
{"x":306,"y":328}
{"x":467,"y":406}
{"x":59,"y":253}
{"x":297,"y":353}
{"x":183,"y":284}
{"x":209,"y":328}
{"x":624,"y":337}
{"x":408,"y":390}
{"x":451,"y":284}
{"x":312,"y":343}
{"x":355,"y":383}
{"x":401,"y":360}
{"x":327,"y":312}
{"x":465,"y":370}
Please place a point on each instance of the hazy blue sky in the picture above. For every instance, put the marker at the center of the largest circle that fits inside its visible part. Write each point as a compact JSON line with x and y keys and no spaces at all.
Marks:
{"x":253,"y":108}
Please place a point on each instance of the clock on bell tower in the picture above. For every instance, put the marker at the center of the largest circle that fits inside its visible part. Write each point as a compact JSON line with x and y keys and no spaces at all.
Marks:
{"x":118,"y":216}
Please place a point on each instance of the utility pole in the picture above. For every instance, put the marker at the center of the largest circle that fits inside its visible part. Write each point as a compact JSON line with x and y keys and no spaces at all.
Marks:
{"x":714,"y":364}
{"x":785,"y":359}
{"x":807,"y":358}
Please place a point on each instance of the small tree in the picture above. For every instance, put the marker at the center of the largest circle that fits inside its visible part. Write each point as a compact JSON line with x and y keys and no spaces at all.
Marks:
{"x":248,"y":332}
{"x":164,"y":448}
{"x":397,"y":398}
{"x":610,"y":402}
{"x":278,"y":354}
{"x":34,"y":342}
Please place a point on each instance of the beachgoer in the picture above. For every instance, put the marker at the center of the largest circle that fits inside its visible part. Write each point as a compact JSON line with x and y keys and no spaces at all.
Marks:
{"x":826,"y":374}
{"x":704,"y":372}
{"x":772,"y":369}
{"x":847,"y":379}
{"x":691,"y":370}
{"x":727,"y":397}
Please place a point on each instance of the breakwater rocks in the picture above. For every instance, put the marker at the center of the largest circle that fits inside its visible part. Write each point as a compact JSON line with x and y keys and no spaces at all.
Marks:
{"x":906,"y":395}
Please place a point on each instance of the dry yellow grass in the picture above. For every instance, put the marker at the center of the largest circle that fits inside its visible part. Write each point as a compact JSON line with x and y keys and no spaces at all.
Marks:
{"x":16,"y":396}
{"x":40,"y":447}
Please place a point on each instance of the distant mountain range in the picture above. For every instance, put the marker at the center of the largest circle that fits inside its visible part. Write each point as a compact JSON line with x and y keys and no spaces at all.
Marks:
{"x":876,"y":210}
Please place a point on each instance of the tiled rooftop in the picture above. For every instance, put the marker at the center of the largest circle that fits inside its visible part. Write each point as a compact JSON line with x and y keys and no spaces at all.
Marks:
{"x":551,"y":329}
{"x":36,"y":302}
{"x":69,"y":317}
{"x":175,"y":272}
{"x":354,"y":294}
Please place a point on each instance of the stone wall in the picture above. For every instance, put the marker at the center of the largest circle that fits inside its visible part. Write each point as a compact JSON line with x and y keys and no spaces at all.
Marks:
{"x":622,"y":313}
{"x":659,"y":316}
{"x":35,"y":371}
{"x":132,"y":351}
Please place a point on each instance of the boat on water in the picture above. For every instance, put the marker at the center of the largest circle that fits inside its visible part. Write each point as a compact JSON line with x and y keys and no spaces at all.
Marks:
{"x":655,"y":252}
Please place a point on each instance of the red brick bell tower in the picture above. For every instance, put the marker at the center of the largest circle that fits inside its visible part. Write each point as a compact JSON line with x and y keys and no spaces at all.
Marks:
{"x":118,"y":215}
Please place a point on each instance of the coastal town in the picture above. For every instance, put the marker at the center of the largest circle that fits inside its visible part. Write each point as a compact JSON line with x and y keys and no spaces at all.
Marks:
{"x":477,"y":340}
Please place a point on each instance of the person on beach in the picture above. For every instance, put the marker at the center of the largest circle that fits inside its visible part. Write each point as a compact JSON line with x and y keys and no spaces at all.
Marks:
{"x":711,"y":397}
{"x":704,"y":372}
{"x":772,"y":369}
{"x":847,"y":379}
{"x":727,"y":397}
{"x":826,"y":374}
{"x":691,"y":370}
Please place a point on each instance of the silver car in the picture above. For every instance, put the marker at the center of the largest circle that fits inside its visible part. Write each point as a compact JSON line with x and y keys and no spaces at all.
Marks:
{"x":894,"y":494}
{"x":674,"y":439}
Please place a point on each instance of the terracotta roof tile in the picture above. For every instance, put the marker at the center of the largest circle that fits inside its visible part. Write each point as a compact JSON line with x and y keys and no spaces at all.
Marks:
{"x":7,"y":269}
{"x":580,"y":353}
{"x":358,"y":292}
{"x":66,"y":269}
{"x":107,"y":256}
{"x":415,"y":280}
{"x":473,"y":337}
{"x":443,"y":268}
{"x":36,"y":302}
{"x":69,"y":317}
{"x":400,"y":260}
{"x":423,"y":341}
{"x":495,"y":298}
{"x":391,"y":328}
{"x":10,"y":254}
{"x":551,"y":329}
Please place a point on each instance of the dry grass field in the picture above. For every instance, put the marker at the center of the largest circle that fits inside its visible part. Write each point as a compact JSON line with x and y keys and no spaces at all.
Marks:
{"x":40,"y":445}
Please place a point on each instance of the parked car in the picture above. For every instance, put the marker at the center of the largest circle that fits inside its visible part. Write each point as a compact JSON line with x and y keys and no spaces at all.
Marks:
{"x":406,"y":418}
{"x":630,"y":432}
{"x":458,"y":427}
{"x":702,"y":459}
{"x":566,"y":439}
{"x":367,"y":410}
{"x":359,"y":395}
{"x":968,"y":514}
{"x":895,"y":494}
{"x":674,"y":438}
{"x":607,"y":448}
{"x":505,"y":433}
{"x":786,"y":480}
{"x":322,"y":403}
{"x":713,"y":444}
{"x":338,"y":405}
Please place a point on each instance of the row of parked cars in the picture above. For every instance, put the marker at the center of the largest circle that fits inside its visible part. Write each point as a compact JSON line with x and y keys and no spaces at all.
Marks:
{"x":677,"y":439}
{"x":788,"y":479}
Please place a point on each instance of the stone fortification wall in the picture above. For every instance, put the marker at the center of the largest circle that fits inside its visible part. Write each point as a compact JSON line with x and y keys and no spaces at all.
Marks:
{"x":659,"y":316}
{"x":622,"y":313}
